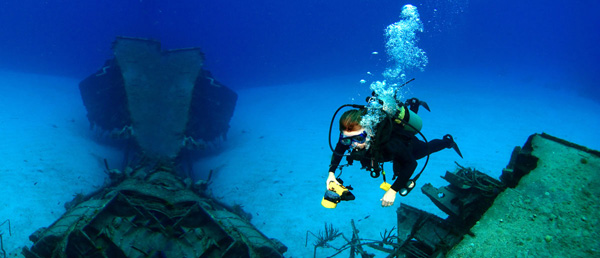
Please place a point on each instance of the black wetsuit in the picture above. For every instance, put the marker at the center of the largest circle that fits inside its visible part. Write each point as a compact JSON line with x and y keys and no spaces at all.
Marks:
{"x":403,"y":148}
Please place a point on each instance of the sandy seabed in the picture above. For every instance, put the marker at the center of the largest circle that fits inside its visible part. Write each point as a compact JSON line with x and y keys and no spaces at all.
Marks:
{"x":274,"y":162}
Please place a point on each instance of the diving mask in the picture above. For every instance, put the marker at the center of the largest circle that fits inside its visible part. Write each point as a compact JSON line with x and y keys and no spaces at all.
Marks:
{"x":347,"y":140}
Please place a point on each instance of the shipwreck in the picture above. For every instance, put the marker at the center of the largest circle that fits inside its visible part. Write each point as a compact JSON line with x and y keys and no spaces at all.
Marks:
{"x":166,"y":107}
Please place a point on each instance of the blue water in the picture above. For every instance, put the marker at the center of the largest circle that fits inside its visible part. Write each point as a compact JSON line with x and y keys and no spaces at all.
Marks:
{"x":294,"y":62}
{"x":253,"y":43}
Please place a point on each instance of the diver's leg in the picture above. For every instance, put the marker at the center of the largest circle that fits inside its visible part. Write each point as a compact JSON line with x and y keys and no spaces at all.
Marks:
{"x":422,"y":149}
{"x":453,"y":144}
{"x":403,"y":170}
{"x":402,"y":173}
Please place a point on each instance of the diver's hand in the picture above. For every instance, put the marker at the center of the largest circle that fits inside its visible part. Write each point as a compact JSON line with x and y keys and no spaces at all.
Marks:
{"x":388,"y":198}
{"x":331,"y":178}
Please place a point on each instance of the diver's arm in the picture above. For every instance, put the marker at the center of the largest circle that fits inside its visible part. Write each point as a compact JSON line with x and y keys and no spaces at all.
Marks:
{"x":336,"y":158}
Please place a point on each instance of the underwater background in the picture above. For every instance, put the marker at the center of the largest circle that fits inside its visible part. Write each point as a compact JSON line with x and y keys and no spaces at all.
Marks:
{"x":258,"y":43}
{"x":497,"y":72}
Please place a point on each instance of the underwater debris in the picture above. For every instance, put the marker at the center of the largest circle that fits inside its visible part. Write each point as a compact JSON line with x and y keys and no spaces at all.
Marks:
{"x":2,"y":251}
{"x":323,"y":237}
{"x":9,"y":229}
{"x":388,"y":236}
{"x":330,"y":233}
{"x":387,"y":244}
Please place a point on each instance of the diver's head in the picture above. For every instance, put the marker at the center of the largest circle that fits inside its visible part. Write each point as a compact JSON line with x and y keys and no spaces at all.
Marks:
{"x":351,"y":132}
{"x":350,"y":120}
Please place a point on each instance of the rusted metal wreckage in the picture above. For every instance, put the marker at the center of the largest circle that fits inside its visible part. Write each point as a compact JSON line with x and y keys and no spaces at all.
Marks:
{"x":159,"y":101}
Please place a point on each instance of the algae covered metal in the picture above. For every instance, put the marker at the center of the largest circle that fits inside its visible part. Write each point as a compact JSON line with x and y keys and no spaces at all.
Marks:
{"x":545,"y":204}
{"x":552,"y":210}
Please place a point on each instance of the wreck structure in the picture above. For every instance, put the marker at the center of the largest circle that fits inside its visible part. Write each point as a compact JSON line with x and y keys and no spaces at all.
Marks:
{"x":164,"y":101}
{"x":166,"y":106}
{"x":543,"y":195}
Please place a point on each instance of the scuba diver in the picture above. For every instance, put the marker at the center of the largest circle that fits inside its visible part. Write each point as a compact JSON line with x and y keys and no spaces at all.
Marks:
{"x":394,"y":140}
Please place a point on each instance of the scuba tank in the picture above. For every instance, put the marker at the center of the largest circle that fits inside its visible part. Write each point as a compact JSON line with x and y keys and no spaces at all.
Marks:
{"x":408,"y":119}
